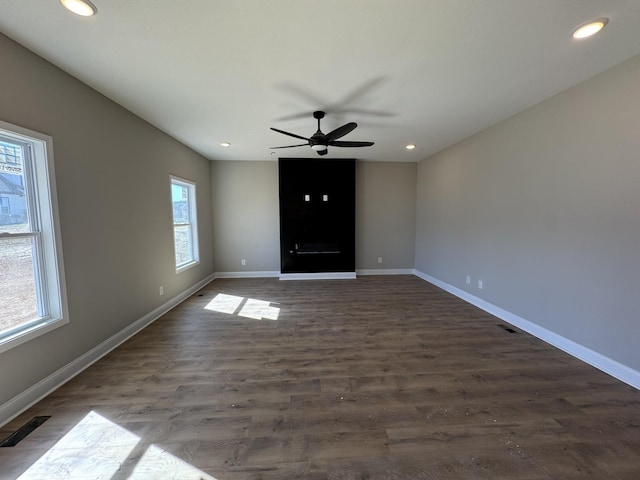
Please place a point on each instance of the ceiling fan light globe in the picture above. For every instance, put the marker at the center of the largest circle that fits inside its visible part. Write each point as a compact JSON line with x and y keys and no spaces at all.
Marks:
{"x":319,"y":148}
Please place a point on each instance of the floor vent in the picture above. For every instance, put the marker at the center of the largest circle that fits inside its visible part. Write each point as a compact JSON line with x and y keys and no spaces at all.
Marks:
{"x":19,"y":435}
{"x":508,"y":329}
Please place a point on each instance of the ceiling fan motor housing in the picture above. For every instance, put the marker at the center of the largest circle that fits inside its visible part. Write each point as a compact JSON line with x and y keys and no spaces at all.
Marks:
{"x":317,"y":141}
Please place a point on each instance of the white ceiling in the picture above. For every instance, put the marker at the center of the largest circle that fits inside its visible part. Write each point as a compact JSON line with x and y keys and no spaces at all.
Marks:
{"x":429,"y":72}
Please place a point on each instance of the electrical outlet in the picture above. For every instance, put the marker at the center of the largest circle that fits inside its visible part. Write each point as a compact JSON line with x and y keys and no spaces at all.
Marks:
{"x":379,"y":259}
{"x":480,"y":285}
{"x":243,"y":262}
{"x":161,"y":290}
{"x":468,"y":279}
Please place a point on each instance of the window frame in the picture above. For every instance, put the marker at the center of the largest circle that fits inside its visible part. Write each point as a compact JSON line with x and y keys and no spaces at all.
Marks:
{"x":193,"y":222}
{"x":40,"y":186}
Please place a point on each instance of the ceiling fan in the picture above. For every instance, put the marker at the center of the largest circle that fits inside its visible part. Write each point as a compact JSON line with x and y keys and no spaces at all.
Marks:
{"x":320,"y":141}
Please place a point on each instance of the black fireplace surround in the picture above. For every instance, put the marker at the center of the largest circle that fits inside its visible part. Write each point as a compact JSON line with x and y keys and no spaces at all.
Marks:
{"x":317,"y":215}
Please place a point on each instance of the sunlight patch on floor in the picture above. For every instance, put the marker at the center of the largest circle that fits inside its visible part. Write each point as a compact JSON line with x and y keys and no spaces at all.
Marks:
{"x":159,"y":464}
{"x":97,"y":448}
{"x":224,"y":303}
{"x":259,"y":310}
{"x":252,"y":308}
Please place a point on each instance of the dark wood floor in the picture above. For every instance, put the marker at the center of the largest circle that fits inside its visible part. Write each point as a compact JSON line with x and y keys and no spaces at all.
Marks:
{"x":374,"y":378}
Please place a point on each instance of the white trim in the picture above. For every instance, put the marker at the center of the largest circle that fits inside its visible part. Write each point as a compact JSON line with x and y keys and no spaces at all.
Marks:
{"x":616,"y":369}
{"x":258,"y":274}
{"x":51,"y":263}
{"x":35,"y":393}
{"x":34,"y":331}
{"x":193,"y":221}
{"x":187,"y":266}
{"x":385,"y":271}
{"x":318,"y":276}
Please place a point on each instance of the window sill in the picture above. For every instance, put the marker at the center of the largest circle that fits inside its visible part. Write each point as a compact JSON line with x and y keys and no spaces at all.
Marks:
{"x":187,"y":266}
{"x":22,"y":336}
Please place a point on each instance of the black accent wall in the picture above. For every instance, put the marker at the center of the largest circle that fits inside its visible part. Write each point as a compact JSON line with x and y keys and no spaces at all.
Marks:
{"x":317,"y":215}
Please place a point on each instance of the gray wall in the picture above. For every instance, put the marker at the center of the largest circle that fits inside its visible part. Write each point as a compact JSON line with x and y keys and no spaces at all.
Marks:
{"x":246,"y":215}
{"x":112,"y":172}
{"x":385,"y":215}
{"x":545,"y":209}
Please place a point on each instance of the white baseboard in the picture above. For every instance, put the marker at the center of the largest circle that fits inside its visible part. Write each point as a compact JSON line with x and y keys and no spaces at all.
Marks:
{"x":35,"y":393}
{"x":616,"y":369}
{"x":318,"y":276}
{"x":385,"y":271}
{"x":315,"y":276}
{"x":259,"y":274}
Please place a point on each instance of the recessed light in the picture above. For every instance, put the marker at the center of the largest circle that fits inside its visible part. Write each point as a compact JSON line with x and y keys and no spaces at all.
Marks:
{"x":225,"y":144}
{"x":83,"y":8}
{"x":411,"y":146}
{"x":591,"y":28}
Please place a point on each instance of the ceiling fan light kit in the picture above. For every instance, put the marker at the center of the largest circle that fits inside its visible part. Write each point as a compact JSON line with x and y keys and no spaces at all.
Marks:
{"x":320,"y":142}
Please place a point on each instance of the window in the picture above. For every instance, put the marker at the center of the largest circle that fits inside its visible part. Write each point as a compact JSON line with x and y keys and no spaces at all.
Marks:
{"x":32,"y":296}
{"x":185,"y":231}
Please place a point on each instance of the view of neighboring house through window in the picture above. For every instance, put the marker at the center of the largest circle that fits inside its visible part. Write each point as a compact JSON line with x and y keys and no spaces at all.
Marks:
{"x":17,"y":254}
{"x":4,"y":205}
{"x":31,"y":288}
{"x":185,"y":233}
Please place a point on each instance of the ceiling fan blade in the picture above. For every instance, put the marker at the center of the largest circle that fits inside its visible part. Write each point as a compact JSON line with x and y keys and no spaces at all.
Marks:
{"x":294,"y":116}
{"x":340,"y":131}
{"x":291,"y":146}
{"x":290,"y":134}
{"x":350,"y":144}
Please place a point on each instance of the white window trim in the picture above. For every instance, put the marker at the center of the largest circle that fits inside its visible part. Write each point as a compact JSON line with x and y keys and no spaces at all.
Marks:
{"x":193,"y":216}
{"x":53,"y":265}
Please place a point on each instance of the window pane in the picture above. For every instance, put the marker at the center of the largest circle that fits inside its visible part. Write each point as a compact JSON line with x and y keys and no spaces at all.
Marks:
{"x":18,"y":303}
{"x":17,"y":283}
{"x":10,"y":156}
{"x":184,"y":244}
{"x":13,"y":200}
{"x":180,"y":197}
